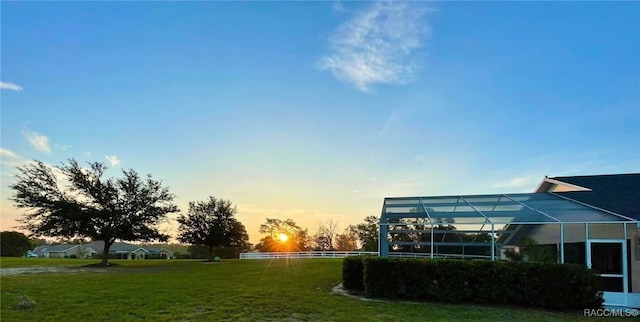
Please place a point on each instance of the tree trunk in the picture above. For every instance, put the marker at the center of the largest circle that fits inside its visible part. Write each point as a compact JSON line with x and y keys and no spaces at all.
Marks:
{"x":105,"y":252}
{"x":211,"y":253}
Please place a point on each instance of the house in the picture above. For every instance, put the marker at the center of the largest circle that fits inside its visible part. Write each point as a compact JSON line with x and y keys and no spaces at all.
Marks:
{"x":159,"y":253}
{"x":64,"y":251}
{"x":118,"y":250}
{"x":589,"y":220}
{"x":608,"y":248}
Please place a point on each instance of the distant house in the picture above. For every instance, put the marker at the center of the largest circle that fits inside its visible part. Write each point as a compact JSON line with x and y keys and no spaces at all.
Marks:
{"x":118,"y":250}
{"x":159,"y":253}
{"x":64,"y":251}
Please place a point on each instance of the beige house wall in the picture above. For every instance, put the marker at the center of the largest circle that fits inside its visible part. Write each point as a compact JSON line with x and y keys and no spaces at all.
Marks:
{"x":54,"y":255}
{"x":79,"y":252}
{"x":575,"y":233}
{"x":166,"y":254}
{"x":138,"y":254}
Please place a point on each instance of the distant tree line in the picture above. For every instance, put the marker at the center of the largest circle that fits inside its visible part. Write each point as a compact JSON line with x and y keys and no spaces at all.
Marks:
{"x":328,"y":237}
{"x":14,"y":244}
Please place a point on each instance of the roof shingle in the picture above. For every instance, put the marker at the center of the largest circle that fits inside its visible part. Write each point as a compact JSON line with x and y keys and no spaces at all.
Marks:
{"x":619,"y":193}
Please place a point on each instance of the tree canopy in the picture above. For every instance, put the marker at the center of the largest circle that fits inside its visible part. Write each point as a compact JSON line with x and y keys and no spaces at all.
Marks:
{"x":325,"y":238}
{"x":367,"y":233}
{"x":127,"y":208}
{"x":211,"y":223}
{"x":15,"y":244}
{"x":283,"y":236}
{"x":347,"y":241}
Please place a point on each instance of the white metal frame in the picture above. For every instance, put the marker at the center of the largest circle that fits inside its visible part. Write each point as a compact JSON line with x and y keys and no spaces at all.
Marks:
{"x":383,"y":242}
{"x":625,"y":273}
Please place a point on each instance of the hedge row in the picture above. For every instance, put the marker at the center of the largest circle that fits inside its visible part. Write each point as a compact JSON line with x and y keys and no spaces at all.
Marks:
{"x":353,"y":273}
{"x":547,"y":285}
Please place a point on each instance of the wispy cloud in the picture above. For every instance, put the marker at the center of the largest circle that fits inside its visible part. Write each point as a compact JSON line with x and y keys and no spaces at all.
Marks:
{"x":10,"y":86}
{"x":12,"y":160}
{"x":38,"y":141}
{"x":8,"y":154}
{"x":378,"y":45}
{"x":113,"y":160}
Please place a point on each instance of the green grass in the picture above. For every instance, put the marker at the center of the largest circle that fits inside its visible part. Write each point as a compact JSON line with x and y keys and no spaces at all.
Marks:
{"x":234,"y":290}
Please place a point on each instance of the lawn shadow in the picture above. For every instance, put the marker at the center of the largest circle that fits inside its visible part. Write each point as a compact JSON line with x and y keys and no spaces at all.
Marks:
{"x":100,"y":265}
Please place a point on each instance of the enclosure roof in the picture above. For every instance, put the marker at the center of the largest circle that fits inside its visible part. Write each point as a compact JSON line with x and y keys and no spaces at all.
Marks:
{"x":530,"y":208}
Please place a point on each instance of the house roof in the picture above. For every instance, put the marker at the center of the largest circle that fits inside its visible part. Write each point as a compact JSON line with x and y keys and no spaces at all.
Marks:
{"x":117,"y":247}
{"x":619,"y":193}
{"x":97,"y":246}
{"x":42,"y":249}
{"x":158,"y":250}
{"x":54,"y":248}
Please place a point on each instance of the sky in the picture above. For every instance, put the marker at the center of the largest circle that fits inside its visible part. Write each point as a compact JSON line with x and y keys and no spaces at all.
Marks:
{"x":319,"y":110}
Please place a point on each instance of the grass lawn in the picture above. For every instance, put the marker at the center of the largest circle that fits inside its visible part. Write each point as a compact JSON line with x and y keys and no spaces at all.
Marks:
{"x":234,"y":290}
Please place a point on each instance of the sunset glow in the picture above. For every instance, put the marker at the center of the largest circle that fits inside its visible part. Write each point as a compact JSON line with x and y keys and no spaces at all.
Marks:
{"x":283,"y":238}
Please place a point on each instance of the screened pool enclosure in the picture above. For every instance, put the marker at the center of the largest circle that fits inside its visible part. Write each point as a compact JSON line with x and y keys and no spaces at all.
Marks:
{"x":538,"y":227}
{"x":500,"y":226}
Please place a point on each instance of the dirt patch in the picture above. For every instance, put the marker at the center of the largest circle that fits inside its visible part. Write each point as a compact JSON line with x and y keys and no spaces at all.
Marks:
{"x":94,"y":268}
{"x":338,"y":289}
{"x":11,"y":271}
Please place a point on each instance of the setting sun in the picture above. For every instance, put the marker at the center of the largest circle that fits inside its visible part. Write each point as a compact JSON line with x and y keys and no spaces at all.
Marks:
{"x":283,"y":238}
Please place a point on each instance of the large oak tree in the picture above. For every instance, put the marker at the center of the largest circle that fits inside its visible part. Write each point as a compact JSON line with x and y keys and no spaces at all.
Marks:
{"x":127,"y":208}
{"x":212,"y":224}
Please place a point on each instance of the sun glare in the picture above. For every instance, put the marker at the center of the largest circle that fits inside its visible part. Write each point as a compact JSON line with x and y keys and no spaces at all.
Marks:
{"x":283,"y":238}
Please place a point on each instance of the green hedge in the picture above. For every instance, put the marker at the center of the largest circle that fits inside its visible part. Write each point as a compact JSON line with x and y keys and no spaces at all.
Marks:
{"x":352,"y":273}
{"x":547,"y":285}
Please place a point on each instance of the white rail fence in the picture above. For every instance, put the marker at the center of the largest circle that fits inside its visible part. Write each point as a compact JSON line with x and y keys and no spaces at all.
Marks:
{"x":275,"y":255}
{"x":303,"y":255}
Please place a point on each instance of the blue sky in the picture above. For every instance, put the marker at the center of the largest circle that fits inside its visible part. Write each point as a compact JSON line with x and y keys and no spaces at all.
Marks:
{"x":318,"y":110}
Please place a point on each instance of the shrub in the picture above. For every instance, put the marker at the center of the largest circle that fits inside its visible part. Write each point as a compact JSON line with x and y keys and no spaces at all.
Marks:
{"x":547,"y":285}
{"x":352,"y":273}
{"x":381,"y":278}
